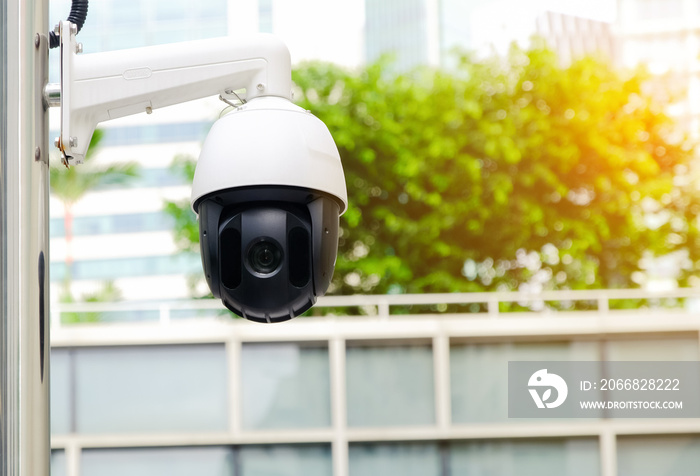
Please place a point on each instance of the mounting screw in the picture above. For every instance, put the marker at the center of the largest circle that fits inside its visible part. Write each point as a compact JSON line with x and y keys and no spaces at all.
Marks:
{"x":73,"y":142}
{"x":37,"y":154}
{"x":261,"y":87}
{"x":37,"y":40}
{"x":149,"y":110}
{"x":79,"y":48}
{"x":74,"y":29}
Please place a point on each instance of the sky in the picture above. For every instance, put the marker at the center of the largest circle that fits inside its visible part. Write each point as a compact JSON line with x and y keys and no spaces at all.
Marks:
{"x":603,"y":10}
{"x":333,"y":30}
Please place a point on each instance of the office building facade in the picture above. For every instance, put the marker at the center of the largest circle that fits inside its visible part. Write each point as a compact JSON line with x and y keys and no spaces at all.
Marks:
{"x":423,"y":393}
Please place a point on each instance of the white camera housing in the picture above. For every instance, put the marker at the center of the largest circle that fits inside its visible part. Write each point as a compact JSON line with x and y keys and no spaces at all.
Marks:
{"x":269,"y":185}
{"x":269,"y":141}
{"x":268,"y":189}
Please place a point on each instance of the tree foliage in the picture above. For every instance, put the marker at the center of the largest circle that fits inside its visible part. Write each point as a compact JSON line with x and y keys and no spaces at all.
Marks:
{"x":70,"y":184}
{"x":186,"y":230}
{"x":509,"y":173}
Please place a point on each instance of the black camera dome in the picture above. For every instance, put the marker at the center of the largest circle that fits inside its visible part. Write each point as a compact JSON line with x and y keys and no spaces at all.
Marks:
{"x":268,"y":252}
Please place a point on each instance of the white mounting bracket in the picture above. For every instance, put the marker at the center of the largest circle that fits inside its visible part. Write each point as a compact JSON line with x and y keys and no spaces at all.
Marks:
{"x":102,"y":86}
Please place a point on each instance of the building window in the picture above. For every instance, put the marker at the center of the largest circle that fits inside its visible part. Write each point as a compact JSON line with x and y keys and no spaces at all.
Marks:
{"x":657,"y":455}
{"x":406,"y":459}
{"x":207,"y":461}
{"x":105,"y":269}
{"x":265,"y":16}
{"x":479,"y":374}
{"x":555,"y":457}
{"x":285,"y":385}
{"x":284,"y":460}
{"x":139,"y":389}
{"x":114,"y":224}
{"x":669,"y":349}
{"x":390,"y":385}
{"x":58,"y":463}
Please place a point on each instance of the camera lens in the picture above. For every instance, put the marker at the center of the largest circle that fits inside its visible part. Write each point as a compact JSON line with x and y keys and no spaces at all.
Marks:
{"x":264,"y":257}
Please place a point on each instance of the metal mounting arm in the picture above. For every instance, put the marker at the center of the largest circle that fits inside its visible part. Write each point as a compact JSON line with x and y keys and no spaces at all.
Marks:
{"x":102,"y":86}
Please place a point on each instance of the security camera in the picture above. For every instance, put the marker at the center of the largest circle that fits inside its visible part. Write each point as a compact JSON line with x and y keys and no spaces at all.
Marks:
{"x":269,"y":188}
{"x":269,"y":185}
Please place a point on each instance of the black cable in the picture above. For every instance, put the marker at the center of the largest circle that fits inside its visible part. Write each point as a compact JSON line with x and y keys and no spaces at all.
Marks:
{"x":78,"y":14}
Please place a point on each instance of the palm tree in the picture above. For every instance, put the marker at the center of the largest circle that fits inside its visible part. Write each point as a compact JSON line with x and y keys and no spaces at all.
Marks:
{"x":70,"y":184}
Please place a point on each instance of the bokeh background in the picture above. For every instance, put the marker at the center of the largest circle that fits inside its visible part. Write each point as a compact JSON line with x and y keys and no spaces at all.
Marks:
{"x":523,"y":185}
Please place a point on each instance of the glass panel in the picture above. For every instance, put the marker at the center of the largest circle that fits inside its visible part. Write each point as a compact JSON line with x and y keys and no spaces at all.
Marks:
{"x":285,"y":386}
{"x":658,"y":456}
{"x":127,"y":223}
{"x":526,"y":458}
{"x":211,"y":9}
{"x":127,"y":12}
{"x":479,"y":374}
{"x":157,"y":462}
{"x":671,"y":349}
{"x":60,"y":392}
{"x":182,"y":263}
{"x":390,"y":385}
{"x":169,"y":10}
{"x":265,"y":16}
{"x":58,"y":462}
{"x":287,"y":460}
{"x":406,"y":459}
{"x":165,"y":388}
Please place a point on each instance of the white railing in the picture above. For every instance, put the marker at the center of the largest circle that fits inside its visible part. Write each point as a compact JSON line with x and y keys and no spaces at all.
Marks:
{"x":686,"y":300}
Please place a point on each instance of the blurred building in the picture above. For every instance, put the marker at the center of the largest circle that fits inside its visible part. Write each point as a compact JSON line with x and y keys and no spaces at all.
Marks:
{"x":573,"y":37}
{"x":420,"y":32}
{"x":122,"y":234}
{"x":405,"y":30}
{"x":664,"y":35}
{"x":430,"y":32}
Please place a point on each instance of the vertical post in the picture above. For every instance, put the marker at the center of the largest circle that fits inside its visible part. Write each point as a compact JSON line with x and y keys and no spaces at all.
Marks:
{"x":233,"y":355}
{"x":608,"y":453}
{"x":339,"y":446}
{"x":441,"y":368}
{"x":24,"y":260}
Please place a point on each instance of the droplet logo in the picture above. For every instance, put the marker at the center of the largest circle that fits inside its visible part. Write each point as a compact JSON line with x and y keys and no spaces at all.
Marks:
{"x":542,"y":379}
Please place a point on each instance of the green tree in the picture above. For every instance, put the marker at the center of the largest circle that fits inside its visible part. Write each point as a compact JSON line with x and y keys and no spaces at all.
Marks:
{"x":506,"y":173}
{"x":70,"y":184}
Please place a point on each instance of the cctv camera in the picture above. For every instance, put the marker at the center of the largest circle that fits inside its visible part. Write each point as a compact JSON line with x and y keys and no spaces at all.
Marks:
{"x":269,"y":189}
